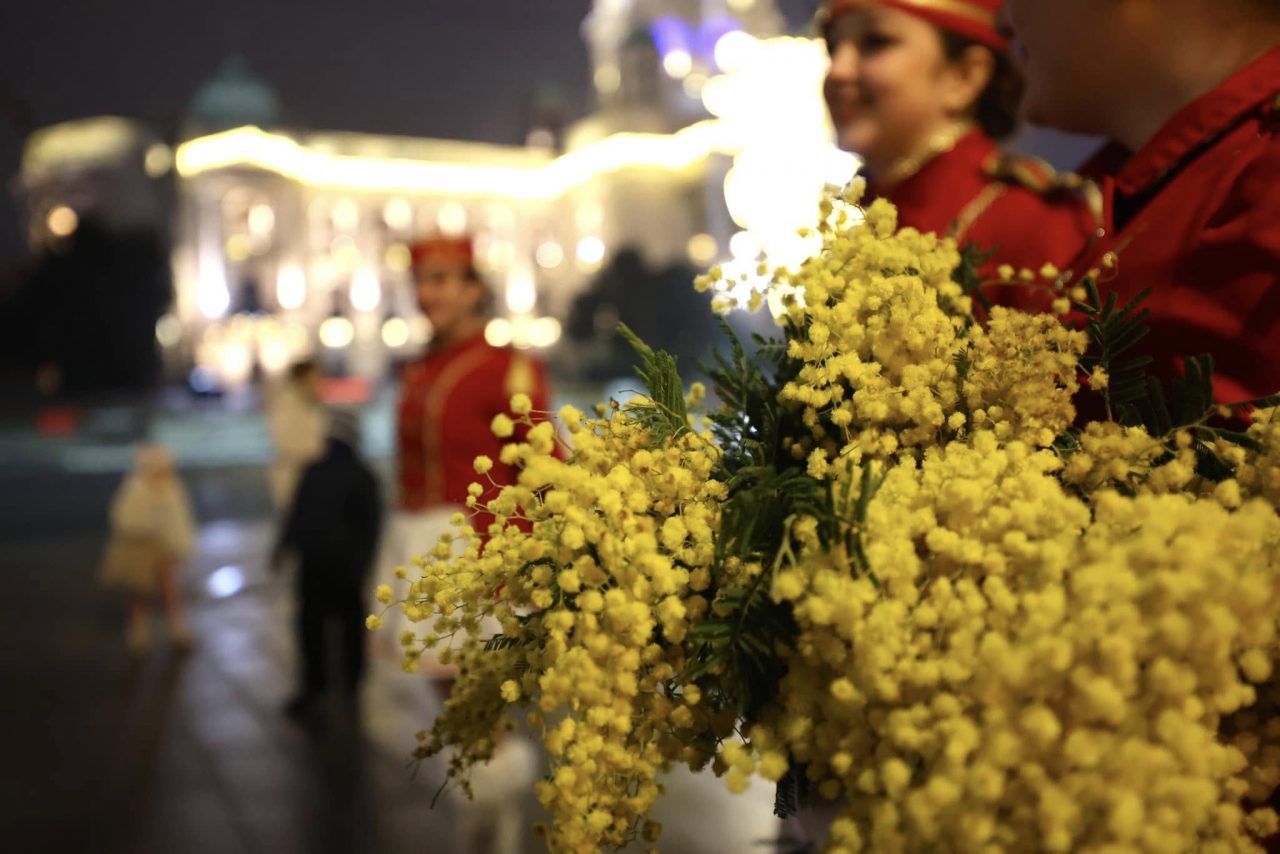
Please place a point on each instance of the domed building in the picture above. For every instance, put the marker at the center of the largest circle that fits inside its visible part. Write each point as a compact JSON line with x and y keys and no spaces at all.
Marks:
{"x":104,"y":167}
{"x":291,"y":242}
{"x":234,"y":97}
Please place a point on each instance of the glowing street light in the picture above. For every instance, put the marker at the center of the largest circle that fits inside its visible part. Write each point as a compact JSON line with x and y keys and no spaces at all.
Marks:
{"x":62,"y":221}
{"x":522,"y":294}
{"x":590,"y":251}
{"x":366,"y":292}
{"x":336,"y":333}
{"x":549,"y":255}
{"x":291,"y":287}
{"x":702,"y":249}
{"x":395,"y":332}
{"x":498,"y":332}
{"x":677,"y":63}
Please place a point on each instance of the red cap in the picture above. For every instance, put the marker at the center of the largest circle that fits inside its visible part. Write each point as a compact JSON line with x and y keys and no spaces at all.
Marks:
{"x":436,"y":247}
{"x":973,"y":19}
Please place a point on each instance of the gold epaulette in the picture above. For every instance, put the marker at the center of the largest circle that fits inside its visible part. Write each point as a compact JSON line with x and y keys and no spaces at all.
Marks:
{"x":1032,"y":173}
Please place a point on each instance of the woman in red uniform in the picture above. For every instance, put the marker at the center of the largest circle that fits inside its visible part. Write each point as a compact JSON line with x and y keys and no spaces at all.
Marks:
{"x":448,"y":401}
{"x":921,"y":90}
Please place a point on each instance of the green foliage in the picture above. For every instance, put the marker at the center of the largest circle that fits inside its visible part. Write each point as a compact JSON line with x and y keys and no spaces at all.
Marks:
{"x":748,"y":424}
{"x":747,"y":632}
{"x":664,"y":413}
{"x":869,"y":484}
{"x":741,"y":638}
{"x":969,"y":276}
{"x":1135,"y":398}
{"x":499,"y":642}
{"x":793,"y":790}
{"x":1113,"y":331}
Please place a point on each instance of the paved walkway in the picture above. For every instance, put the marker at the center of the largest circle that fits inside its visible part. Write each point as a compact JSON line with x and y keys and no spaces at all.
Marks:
{"x":104,"y":753}
{"x":174,"y":754}
{"x":171,"y":754}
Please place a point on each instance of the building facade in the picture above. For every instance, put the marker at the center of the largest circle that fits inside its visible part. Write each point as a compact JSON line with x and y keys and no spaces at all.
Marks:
{"x":289,"y":243}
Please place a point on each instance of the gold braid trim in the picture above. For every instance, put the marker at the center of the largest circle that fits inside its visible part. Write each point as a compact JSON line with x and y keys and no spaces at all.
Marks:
{"x":939,"y":143}
{"x":973,"y":211}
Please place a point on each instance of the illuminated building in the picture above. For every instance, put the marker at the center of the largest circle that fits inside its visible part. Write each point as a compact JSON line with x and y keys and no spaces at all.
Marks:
{"x":288,"y":242}
{"x":104,"y":166}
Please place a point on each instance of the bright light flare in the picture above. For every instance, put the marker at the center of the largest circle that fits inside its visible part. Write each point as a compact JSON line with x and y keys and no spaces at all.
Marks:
{"x":337,"y":333}
{"x":62,"y":221}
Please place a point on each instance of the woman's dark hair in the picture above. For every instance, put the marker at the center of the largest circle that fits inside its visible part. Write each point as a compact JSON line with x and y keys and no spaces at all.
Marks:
{"x":996,"y":111}
{"x":485,"y":307}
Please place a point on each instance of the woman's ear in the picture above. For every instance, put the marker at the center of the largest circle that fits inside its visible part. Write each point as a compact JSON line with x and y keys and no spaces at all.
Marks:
{"x":966,"y":77}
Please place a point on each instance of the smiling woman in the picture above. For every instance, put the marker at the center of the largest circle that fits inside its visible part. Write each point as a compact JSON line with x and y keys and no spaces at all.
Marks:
{"x":921,"y":89}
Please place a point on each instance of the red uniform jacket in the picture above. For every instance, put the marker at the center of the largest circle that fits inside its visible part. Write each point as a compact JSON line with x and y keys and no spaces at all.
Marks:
{"x":1195,"y":215}
{"x":1016,"y":206}
{"x":447,"y":403}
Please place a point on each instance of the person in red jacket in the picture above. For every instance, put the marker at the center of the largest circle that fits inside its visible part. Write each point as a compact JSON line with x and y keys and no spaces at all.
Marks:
{"x":449,"y":399}
{"x":921,"y":90}
{"x":1188,"y":92}
{"x":448,"y":402}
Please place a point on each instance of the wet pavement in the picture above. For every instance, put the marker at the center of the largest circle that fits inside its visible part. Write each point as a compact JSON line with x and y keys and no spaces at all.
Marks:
{"x":190,"y":753}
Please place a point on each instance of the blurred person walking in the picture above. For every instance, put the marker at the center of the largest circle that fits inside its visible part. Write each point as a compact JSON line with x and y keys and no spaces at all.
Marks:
{"x":332,"y":529}
{"x":923,"y":91}
{"x":153,"y":533}
{"x":298,"y":424}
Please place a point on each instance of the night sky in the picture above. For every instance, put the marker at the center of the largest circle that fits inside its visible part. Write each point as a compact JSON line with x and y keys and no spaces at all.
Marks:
{"x":465,"y":69}
{"x":462,"y":69}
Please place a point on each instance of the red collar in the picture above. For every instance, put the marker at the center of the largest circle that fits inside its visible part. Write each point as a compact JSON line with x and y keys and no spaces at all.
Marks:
{"x":448,"y":350}
{"x":958,"y":172}
{"x":1196,"y":124}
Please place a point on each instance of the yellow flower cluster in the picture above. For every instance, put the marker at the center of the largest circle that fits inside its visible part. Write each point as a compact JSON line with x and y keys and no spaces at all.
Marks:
{"x":881,"y":324}
{"x":1260,"y":474}
{"x":1012,"y":672}
{"x":1003,"y":641}
{"x":594,"y":567}
{"x":892,"y":360}
{"x":1021,"y":375}
{"x":1014,"y":656}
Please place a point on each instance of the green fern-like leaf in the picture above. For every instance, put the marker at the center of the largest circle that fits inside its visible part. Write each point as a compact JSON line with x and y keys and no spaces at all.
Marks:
{"x":968,"y":273}
{"x":793,"y":791}
{"x":1113,"y":331}
{"x":741,"y":639}
{"x":499,"y":642}
{"x":1133,"y":397}
{"x":664,"y":413}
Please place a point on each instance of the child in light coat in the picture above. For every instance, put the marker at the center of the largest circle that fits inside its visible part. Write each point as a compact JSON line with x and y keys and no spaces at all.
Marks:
{"x":152,"y":535}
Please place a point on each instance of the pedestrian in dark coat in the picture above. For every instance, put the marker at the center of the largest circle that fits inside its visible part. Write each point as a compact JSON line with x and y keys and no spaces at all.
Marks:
{"x":332,"y":529}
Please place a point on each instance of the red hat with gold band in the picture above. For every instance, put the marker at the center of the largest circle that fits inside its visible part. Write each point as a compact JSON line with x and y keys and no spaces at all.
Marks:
{"x":448,"y":250}
{"x":973,"y":19}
